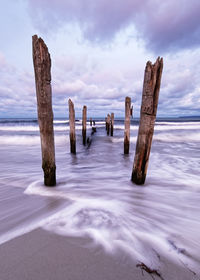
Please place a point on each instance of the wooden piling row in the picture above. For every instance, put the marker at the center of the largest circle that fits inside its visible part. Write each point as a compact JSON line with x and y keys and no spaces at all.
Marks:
{"x":112,"y":124}
{"x":109,"y":121}
{"x":150,"y":95}
{"x":151,"y":88}
{"x":108,"y":124}
{"x":42,"y":69}
{"x":84,"y":124}
{"x":127,"y":125}
{"x":72,"y":134}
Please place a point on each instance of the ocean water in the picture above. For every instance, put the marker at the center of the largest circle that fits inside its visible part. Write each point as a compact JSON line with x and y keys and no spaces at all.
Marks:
{"x":94,"y":195}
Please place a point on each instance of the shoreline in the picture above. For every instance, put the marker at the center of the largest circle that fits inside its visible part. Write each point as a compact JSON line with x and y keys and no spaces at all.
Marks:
{"x":41,"y":255}
{"x":150,"y":232}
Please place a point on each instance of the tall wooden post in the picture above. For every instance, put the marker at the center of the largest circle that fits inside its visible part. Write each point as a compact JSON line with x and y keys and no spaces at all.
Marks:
{"x":112,"y":124}
{"x":84,"y":120}
{"x":151,"y":88}
{"x":42,"y":68}
{"x":90,"y":121}
{"x":72,"y":127}
{"x":127,"y":125}
{"x":108,"y":124}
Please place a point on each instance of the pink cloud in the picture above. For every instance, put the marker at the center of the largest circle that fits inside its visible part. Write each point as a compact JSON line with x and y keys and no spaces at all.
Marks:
{"x":163,"y":25}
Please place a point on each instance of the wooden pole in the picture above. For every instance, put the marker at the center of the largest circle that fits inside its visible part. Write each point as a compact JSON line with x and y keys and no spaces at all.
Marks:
{"x":131,"y":112}
{"x":84,"y":120}
{"x":42,"y":68}
{"x":108,"y":124}
{"x":72,"y":127}
{"x":127,"y":125}
{"x":112,"y":124}
{"x":90,"y":121}
{"x":151,"y":88}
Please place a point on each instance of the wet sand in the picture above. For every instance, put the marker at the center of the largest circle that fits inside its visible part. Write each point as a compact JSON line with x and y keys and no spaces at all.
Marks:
{"x":43,"y":255}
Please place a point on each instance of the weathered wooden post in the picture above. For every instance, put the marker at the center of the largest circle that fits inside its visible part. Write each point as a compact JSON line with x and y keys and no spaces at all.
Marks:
{"x":131,"y":112}
{"x":151,"y":88}
{"x":127,"y":125}
{"x":112,"y":124}
{"x":108,"y":124}
{"x":84,"y":120}
{"x":42,"y":68}
{"x":72,"y":127}
{"x":90,"y":121}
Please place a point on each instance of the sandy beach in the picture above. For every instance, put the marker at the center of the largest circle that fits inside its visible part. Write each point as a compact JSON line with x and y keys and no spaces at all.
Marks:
{"x":42,"y":255}
{"x":95,"y":224}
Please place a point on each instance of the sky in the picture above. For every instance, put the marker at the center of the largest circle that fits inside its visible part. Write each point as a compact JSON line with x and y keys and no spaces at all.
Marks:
{"x":99,"y":50}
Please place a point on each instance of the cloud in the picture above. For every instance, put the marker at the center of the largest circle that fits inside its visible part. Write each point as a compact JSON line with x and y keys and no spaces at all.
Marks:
{"x":179,"y":94}
{"x":5,"y":67}
{"x":2,"y":60}
{"x":104,"y":89}
{"x":163,"y":25}
{"x":17,"y":96}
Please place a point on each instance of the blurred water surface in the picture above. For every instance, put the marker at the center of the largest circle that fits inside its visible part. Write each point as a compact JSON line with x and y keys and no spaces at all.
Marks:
{"x":94,"y":195}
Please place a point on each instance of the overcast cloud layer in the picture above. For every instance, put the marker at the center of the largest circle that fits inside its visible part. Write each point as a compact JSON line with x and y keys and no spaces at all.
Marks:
{"x":163,"y":25}
{"x":99,"y":50}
